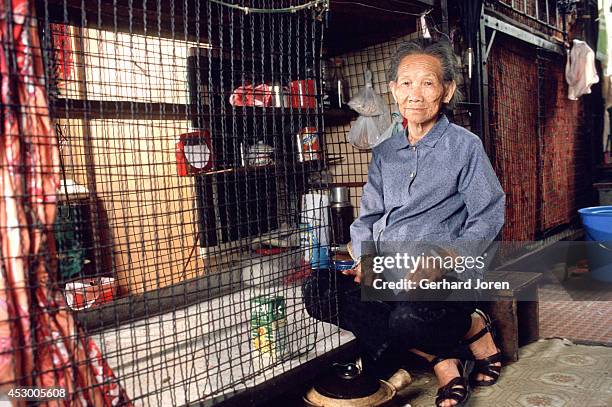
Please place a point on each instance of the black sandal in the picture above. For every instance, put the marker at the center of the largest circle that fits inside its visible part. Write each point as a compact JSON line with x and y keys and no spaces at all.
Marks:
{"x":457,"y":389}
{"x":485,"y":366}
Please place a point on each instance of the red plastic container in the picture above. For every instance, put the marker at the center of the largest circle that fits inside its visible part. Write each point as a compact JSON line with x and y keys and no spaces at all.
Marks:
{"x":303,"y":93}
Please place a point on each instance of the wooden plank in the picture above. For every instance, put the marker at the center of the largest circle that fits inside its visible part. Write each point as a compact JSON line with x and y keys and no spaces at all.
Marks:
{"x":516,"y":321}
{"x":528,"y":318}
{"x":129,"y":110}
{"x":518,"y":281}
{"x":108,"y":109}
{"x":530,"y":250}
{"x":505,"y":320}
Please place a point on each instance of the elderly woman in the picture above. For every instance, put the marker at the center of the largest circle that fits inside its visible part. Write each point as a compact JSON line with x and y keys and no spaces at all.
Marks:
{"x":431,"y":180}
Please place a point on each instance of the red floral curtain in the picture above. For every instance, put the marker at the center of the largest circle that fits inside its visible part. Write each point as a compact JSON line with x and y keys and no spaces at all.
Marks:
{"x":40,"y":344}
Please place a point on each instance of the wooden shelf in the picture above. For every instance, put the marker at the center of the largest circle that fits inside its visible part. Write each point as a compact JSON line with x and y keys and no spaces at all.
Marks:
{"x":281,"y":168}
{"x":107,"y":109}
{"x":111,"y":109}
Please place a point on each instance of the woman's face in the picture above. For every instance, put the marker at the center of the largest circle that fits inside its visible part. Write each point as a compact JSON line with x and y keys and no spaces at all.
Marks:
{"x":419,"y":89}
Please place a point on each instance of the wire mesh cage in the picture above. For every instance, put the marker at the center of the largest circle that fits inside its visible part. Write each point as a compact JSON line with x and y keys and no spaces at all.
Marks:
{"x":190,"y":139}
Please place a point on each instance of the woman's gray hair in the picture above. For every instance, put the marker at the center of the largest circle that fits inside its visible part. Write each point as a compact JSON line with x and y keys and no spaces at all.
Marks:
{"x":438,"y":49}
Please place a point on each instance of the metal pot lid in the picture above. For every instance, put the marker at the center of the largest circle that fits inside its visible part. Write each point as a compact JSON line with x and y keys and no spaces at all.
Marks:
{"x":346,"y":381}
{"x":261,"y":148}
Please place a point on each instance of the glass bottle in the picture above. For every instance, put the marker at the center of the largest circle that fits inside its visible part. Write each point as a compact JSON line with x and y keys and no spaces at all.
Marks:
{"x":340,"y":92}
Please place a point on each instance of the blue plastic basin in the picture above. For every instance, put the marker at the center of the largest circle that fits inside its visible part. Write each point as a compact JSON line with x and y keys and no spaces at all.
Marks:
{"x":597,"y":222}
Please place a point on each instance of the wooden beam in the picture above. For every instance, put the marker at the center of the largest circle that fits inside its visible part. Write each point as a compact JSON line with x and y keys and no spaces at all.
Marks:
{"x":107,"y":109}
{"x":129,"y":110}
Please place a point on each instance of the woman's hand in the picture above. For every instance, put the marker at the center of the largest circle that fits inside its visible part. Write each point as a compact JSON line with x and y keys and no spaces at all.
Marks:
{"x":355,"y":272}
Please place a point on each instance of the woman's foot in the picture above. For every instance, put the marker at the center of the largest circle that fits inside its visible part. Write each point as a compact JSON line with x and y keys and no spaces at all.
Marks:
{"x":486,"y":353}
{"x":451,"y":382}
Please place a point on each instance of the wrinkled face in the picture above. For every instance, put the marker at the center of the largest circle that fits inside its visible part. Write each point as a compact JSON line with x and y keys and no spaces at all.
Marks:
{"x":419,"y":89}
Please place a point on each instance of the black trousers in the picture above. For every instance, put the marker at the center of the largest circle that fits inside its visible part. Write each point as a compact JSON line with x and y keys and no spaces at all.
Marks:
{"x":386,"y":330}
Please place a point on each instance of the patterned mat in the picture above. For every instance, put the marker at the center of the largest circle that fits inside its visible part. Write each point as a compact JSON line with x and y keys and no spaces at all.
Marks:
{"x":549,"y":373}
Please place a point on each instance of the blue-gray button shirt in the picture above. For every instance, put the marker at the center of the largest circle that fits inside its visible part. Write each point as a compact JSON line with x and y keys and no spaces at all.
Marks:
{"x":443,"y":188}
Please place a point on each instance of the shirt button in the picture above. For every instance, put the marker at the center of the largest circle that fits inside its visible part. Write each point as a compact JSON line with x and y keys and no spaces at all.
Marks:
{"x":412,"y":175}
{"x":413,"y":148}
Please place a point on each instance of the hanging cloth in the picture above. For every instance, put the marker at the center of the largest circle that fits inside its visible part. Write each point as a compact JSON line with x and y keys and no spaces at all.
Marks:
{"x":40,"y":342}
{"x":580,"y":71}
{"x":604,"y":43}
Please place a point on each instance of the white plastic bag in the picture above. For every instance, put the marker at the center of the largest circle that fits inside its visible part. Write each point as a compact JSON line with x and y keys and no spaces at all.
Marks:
{"x":361,"y":131}
{"x":368,"y":130}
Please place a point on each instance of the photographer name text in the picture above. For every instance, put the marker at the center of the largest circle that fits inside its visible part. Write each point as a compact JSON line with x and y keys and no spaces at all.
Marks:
{"x":425,"y":284}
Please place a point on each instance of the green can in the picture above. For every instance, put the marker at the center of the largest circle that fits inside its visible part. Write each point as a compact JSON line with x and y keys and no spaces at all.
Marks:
{"x":268,"y":326}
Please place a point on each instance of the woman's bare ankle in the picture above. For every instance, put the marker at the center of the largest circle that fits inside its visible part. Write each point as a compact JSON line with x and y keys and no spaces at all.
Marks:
{"x":484,"y":346}
{"x":446,"y":370}
{"x":477,"y":325}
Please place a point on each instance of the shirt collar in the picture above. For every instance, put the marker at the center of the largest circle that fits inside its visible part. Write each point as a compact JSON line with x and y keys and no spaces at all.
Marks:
{"x":430,"y":139}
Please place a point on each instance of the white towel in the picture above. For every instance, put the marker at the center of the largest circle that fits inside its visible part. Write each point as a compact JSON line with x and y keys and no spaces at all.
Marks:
{"x":580,"y":72}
